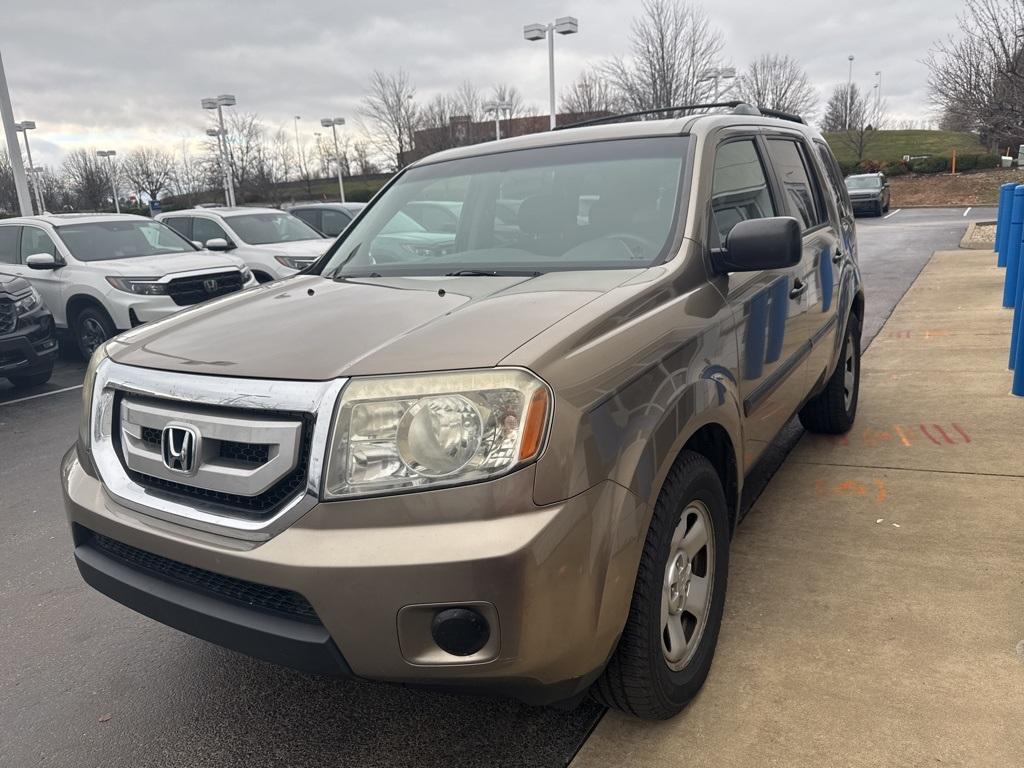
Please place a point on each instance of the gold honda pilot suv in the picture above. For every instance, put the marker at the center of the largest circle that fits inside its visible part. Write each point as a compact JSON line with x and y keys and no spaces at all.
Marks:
{"x":505,"y":453}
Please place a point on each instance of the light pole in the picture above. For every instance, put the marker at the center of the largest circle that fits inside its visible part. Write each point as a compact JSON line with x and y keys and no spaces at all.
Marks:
{"x":109,"y":153}
{"x":298,"y":146}
{"x":878,"y":93}
{"x":13,"y":150}
{"x":849,"y":92}
{"x":496,"y":107}
{"x":718,"y":74}
{"x":333,"y":123}
{"x":25,"y":126}
{"x":35,"y":172}
{"x":216,"y":133}
{"x":218,"y":103}
{"x":564,"y":25}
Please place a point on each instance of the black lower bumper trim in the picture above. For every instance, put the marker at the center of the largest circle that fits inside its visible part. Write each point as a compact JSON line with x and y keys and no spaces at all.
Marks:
{"x":300,"y":645}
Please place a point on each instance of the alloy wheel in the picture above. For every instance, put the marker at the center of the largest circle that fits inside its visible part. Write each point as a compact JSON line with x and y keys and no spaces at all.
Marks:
{"x":687,"y":585}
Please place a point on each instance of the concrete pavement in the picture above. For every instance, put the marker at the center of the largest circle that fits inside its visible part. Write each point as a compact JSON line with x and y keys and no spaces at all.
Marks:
{"x":875,"y":614}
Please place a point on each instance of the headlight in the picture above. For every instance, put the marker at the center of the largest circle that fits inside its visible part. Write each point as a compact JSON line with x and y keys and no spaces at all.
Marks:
{"x":27,"y":303}
{"x":424,"y":431}
{"x":88,"y":384}
{"x":294,"y":262}
{"x":144,"y":286}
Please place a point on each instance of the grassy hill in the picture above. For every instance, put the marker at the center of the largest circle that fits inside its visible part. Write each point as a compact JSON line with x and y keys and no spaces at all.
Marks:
{"x":893,"y":145}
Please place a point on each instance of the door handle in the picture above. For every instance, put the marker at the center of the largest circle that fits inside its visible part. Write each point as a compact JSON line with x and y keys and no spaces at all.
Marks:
{"x":837,"y":257}
{"x":799,"y":286}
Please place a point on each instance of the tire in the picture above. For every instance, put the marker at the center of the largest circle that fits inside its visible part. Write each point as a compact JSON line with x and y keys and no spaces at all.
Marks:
{"x":833,"y":410}
{"x":262,"y":277}
{"x":879,"y":209}
{"x":92,"y":326}
{"x":640,"y":678}
{"x":31,"y":379}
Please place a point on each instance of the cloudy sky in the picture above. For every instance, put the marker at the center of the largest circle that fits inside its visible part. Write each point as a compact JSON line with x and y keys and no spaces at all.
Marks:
{"x":97,"y":73}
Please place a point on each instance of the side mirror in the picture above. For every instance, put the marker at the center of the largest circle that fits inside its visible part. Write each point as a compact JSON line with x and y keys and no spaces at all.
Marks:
{"x":43,"y":261}
{"x":218,"y":244}
{"x":760,"y":244}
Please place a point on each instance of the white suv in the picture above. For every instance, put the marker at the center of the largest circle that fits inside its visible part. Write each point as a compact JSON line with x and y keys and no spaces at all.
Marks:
{"x":100,"y":274}
{"x":273,"y":243}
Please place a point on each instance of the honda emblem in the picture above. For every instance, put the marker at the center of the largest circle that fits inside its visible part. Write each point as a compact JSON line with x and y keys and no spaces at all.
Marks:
{"x":180,"y":448}
{"x":210,"y":286}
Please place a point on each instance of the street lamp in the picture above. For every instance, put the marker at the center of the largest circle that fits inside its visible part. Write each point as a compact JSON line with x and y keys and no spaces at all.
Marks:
{"x":298,"y":146}
{"x":36,"y":172}
{"x":718,"y":74}
{"x":564,"y":25}
{"x":109,"y":153}
{"x":24,"y":127}
{"x":333,"y":123}
{"x":849,"y":92}
{"x":878,"y":94}
{"x":496,"y":107}
{"x":217,"y":134}
{"x":218,"y":103}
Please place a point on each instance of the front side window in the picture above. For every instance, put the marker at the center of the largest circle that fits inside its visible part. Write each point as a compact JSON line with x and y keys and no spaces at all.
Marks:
{"x":793,"y":169}
{"x":180,"y":224}
{"x":103,"y":240}
{"x":310,"y":216}
{"x":34,"y":240}
{"x":739,"y":190}
{"x":334,"y":222}
{"x":266,"y":228}
{"x":598,"y":205}
{"x":204,"y":230}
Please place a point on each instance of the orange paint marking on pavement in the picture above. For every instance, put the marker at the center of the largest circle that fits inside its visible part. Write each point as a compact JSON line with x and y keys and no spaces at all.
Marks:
{"x":935,"y":334}
{"x":963,"y":434}
{"x":903,"y":438}
{"x":942,"y":432}
{"x":883,"y":494}
{"x":928,"y":434}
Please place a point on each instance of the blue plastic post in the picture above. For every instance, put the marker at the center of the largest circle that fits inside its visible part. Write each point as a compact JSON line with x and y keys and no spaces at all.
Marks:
{"x":1018,"y":317}
{"x":1013,"y":247}
{"x":1003,"y":220}
{"x":1018,"y":373}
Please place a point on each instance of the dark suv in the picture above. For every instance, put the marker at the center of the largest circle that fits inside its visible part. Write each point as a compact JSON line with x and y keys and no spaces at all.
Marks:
{"x":869,"y":193}
{"x":28,"y":346}
{"x":514,"y":463}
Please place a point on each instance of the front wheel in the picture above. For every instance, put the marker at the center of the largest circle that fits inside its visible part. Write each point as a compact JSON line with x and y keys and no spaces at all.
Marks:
{"x":666,"y":648}
{"x":31,"y":379}
{"x":833,"y":410}
{"x":92,"y":327}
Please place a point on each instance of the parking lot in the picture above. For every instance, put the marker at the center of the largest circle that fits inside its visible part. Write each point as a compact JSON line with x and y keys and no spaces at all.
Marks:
{"x":92,"y":683}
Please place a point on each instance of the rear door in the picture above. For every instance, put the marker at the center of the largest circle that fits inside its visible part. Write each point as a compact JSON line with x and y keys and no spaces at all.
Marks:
{"x":772,"y":346}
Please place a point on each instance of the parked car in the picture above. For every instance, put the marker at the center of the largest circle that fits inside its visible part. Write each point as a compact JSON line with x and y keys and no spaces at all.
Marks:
{"x":104,"y":273}
{"x":513,"y":466}
{"x":28,"y":345}
{"x":329,"y":218}
{"x":869,"y":193}
{"x":273,"y":243}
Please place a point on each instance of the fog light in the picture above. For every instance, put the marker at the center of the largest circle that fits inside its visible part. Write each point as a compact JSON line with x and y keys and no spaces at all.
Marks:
{"x":460,"y":631}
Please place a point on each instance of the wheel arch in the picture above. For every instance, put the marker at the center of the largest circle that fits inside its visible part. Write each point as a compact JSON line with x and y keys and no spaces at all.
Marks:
{"x":80,"y":301}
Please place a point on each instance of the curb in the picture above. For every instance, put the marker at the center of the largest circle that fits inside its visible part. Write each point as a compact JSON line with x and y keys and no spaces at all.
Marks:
{"x":965,"y":241}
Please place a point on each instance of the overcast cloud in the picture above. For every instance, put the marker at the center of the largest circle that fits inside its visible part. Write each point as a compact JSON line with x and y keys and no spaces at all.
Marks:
{"x":118,"y":74}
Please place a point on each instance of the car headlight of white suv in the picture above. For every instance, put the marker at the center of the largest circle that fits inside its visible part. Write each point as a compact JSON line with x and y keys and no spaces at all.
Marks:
{"x":28,"y":302}
{"x":144,"y":286}
{"x":425,"y":430}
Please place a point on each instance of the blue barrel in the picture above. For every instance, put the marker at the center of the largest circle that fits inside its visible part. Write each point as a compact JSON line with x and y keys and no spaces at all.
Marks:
{"x":1018,"y":373}
{"x":1003,"y":220}
{"x":1018,"y":314}
{"x":1013,"y":247}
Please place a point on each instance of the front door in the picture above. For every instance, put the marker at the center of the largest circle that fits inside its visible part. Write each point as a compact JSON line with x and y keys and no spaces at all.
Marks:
{"x":769,"y":306}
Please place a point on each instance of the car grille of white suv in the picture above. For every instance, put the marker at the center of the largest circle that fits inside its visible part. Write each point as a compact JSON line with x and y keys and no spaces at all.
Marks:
{"x":8,"y":316}
{"x":185,"y":291}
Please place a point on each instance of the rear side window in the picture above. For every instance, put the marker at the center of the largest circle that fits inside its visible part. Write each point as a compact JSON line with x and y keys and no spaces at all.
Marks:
{"x":180,"y":224}
{"x":834,"y":178}
{"x":34,"y":241}
{"x":793,"y":168}
{"x":335,"y":222}
{"x":739,"y":190}
{"x":309,"y":216}
{"x":9,"y":245}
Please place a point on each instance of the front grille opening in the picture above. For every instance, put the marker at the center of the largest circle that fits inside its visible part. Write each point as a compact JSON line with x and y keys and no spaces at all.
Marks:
{"x":8,"y":317}
{"x":255,"y":454}
{"x":246,"y":507}
{"x":185,"y":291}
{"x":281,"y":602}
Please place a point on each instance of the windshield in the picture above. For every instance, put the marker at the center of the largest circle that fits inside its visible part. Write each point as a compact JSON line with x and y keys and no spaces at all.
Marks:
{"x":264,"y":228}
{"x":863,"y":182}
{"x":103,"y":240}
{"x":599,"y":205}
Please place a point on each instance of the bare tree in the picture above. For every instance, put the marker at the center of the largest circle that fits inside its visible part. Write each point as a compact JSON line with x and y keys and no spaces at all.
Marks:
{"x":590,"y":92}
{"x":189,"y":179}
{"x":391,"y":112}
{"x":149,"y":170}
{"x":778,"y":82}
{"x":466,"y":101}
{"x":853,"y":118}
{"x":362,"y":164}
{"x":503,"y":93}
{"x":87,"y":179}
{"x":673,"y":46}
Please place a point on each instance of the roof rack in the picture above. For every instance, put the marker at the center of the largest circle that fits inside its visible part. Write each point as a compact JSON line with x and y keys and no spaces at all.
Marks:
{"x":737,"y":107}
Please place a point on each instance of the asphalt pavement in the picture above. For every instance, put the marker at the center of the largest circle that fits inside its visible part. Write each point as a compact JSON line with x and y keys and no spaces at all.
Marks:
{"x":86,"y":682}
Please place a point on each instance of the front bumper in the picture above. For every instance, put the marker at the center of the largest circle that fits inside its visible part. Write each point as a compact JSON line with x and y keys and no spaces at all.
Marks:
{"x":129,"y":310}
{"x":32,"y":348}
{"x":559,"y":579}
{"x":866,"y":204}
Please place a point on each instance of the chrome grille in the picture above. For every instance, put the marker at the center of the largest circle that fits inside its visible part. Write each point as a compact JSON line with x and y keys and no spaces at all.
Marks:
{"x":185,"y":291}
{"x":8,"y":316}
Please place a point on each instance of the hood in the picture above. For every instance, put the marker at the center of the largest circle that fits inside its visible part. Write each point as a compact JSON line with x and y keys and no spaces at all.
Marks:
{"x":160,"y":265}
{"x":314,"y":249}
{"x":12,"y":284}
{"x":311,"y":328}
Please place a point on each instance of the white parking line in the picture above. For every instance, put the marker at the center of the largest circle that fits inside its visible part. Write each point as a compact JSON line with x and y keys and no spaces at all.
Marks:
{"x":41,"y":394}
{"x":893,"y":213}
{"x":966,"y":212}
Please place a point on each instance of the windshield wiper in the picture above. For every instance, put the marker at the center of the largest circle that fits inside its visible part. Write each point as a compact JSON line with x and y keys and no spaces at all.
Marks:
{"x":493,"y":273}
